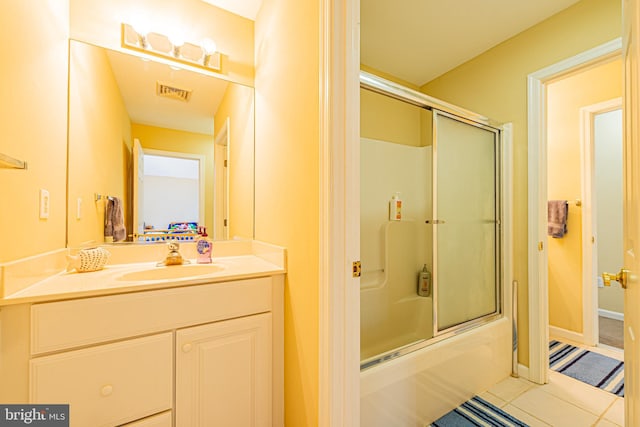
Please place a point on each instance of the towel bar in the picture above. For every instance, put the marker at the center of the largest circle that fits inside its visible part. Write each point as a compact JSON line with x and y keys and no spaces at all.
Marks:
{"x":99,"y":197}
{"x":11,"y":163}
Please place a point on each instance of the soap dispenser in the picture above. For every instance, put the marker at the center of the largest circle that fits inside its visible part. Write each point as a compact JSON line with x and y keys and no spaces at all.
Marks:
{"x":424,"y":282}
{"x":204,"y":246}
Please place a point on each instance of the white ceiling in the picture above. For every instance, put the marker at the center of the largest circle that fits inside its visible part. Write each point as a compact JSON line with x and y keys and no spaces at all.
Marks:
{"x":137,"y":82}
{"x":247,"y":8}
{"x":418,"y":40}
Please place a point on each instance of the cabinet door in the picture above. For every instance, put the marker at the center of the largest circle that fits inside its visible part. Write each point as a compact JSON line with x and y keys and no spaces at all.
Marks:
{"x":223,"y":373}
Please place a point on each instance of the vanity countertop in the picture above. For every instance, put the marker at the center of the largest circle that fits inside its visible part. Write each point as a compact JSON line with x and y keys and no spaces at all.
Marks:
{"x":144,"y":276}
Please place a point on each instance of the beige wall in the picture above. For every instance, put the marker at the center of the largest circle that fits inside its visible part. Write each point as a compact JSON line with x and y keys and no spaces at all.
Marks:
{"x":157,"y":138}
{"x":495,"y":84}
{"x":287,"y":182}
{"x":564,"y":99}
{"x":33,"y":119}
{"x":99,"y":22}
{"x":238,"y":106}
{"x":99,"y":142}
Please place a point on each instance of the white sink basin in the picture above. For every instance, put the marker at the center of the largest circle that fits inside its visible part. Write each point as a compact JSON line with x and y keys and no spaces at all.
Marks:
{"x":172,"y":272}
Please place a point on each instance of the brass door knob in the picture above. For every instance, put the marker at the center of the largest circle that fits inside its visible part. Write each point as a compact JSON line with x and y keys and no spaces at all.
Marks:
{"x":621,"y":278}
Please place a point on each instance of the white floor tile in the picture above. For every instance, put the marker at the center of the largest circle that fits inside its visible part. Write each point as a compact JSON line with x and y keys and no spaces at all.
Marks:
{"x":494,"y":400}
{"x":616,"y":412}
{"x":510,"y":388}
{"x":573,"y":391}
{"x":606,"y":423}
{"x":553,"y":410}
{"x":524,"y":417}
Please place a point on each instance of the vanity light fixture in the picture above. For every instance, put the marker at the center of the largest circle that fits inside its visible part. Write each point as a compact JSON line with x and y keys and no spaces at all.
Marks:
{"x":203,"y":55}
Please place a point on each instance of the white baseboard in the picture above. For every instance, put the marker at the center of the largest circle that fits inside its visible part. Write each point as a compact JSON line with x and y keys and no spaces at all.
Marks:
{"x":523,"y":371}
{"x":556,"y":332}
{"x":610,"y":314}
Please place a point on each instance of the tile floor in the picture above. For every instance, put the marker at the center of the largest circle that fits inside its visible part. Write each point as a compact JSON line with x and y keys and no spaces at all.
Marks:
{"x":563,"y":402}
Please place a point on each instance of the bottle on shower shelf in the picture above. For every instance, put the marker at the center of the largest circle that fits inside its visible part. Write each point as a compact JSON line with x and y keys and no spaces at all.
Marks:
{"x":395,"y":208}
{"x":424,"y":282}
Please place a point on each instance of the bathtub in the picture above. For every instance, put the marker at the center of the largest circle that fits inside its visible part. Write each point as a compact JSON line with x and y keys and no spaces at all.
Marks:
{"x":419,"y":387}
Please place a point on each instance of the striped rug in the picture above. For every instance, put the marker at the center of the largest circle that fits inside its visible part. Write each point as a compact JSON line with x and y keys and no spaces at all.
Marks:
{"x":477,"y":412}
{"x":587,"y":366}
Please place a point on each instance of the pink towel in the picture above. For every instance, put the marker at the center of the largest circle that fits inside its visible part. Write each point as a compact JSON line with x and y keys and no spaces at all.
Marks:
{"x":114,"y":219}
{"x":557,"y":213}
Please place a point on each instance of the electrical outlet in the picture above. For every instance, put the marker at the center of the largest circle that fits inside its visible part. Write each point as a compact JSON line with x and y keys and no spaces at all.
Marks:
{"x":44,"y":204}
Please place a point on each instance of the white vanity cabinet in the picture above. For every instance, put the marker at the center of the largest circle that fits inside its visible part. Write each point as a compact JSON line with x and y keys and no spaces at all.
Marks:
{"x":200,"y":355}
{"x":223,"y":373}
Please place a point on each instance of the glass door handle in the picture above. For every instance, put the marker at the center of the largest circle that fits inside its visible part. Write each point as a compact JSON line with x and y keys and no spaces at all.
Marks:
{"x":434,"y":221}
{"x":621,"y":277}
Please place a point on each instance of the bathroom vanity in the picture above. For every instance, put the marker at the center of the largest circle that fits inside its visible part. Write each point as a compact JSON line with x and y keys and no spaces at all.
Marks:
{"x":140,"y":345}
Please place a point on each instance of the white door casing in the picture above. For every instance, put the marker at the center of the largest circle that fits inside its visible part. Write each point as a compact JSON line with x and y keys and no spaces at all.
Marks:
{"x":537,"y":202}
{"x":589,"y":218}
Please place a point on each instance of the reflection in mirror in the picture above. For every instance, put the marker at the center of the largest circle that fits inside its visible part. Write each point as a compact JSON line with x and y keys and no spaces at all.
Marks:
{"x":117,"y":101}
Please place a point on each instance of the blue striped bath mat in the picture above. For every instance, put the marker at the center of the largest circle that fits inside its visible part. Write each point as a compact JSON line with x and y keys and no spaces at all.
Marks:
{"x":477,"y":412}
{"x":592,"y":368}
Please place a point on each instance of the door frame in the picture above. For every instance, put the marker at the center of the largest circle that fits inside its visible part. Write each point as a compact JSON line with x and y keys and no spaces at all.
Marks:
{"x":537,"y":200}
{"x":589,"y":217}
{"x":339,"y":214}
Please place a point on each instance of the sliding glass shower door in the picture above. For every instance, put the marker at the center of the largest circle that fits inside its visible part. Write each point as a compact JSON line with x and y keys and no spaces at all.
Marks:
{"x":465,"y":221}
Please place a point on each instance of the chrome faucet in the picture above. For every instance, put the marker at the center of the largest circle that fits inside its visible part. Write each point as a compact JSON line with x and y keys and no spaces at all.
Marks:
{"x":173,"y":257}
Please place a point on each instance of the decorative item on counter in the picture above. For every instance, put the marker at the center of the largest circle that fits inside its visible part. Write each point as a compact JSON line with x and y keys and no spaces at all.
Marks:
{"x":204,"y":246}
{"x":395,"y":208}
{"x":92,"y":259}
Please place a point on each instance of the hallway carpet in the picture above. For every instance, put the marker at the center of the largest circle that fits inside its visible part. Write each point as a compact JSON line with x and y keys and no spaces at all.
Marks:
{"x":592,"y":368}
{"x":477,"y":412}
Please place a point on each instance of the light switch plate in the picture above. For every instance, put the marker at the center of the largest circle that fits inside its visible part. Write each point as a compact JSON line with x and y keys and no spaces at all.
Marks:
{"x":44,"y":204}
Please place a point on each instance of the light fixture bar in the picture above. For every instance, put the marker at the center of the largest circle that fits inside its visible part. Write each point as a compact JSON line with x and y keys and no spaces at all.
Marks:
{"x":159,"y":45}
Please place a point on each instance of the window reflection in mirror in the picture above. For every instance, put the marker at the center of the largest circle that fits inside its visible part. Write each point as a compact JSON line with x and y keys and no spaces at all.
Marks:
{"x":113,"y":100}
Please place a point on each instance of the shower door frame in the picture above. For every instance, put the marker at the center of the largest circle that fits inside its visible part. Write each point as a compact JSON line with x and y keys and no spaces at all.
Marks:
{"x":504,"y":189}
{"x":456,"y":328}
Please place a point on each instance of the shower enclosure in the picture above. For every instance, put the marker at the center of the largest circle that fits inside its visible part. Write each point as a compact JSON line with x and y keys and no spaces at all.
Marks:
{"x":437,"y":271}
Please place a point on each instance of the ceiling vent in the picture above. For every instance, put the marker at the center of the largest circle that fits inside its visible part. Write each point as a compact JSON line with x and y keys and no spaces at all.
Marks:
{"x":172,"y":92}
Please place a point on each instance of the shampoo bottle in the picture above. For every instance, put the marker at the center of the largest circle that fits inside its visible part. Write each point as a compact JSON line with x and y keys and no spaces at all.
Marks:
{"x":204,"y":247}
{"x":424,"y":282}
{"x":395,"y":208}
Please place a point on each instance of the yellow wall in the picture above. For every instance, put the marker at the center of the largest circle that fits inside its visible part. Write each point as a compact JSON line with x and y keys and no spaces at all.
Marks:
{"x":387,"y":119}
{"x":495,"y":84}
{"x":99,"y":22}
{"x":33,"y":119}
{"x":287,"y":182}
{"x":564,"y":100}
{"x":99,"y":142}
{"x":157,"y":138}
{"x":237,"y":105}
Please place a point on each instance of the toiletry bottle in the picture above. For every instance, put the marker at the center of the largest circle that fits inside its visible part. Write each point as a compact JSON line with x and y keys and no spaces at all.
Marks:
{"x":204,"y":247}
{"x":424,"y":282}
{"x":395,"y":208}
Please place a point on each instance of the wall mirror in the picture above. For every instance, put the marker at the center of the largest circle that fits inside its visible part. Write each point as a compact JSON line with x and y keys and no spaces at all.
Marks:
{"x":195,"y":131}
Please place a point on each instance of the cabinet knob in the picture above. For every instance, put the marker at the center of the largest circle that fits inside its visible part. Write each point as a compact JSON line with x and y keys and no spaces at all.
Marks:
{"x":186,"y":348}
{"x":106,"y":390}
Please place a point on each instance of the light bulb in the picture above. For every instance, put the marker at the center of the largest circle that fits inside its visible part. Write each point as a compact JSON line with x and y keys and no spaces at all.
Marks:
{"x":209,"y":46}
{"x":176,"y":40}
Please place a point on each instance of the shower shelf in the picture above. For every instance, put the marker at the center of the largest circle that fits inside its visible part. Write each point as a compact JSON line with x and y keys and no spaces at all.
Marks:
{"x":7,"y":162}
